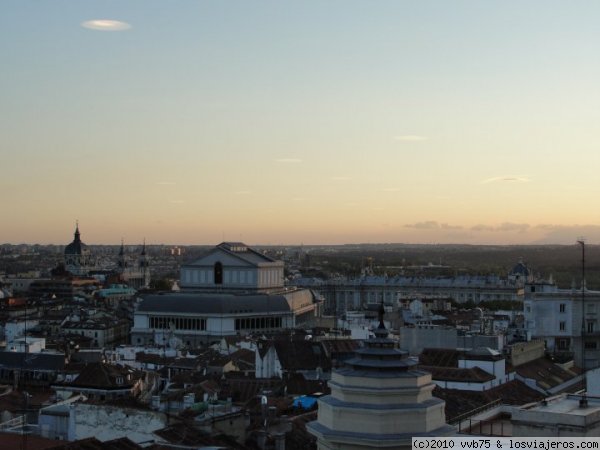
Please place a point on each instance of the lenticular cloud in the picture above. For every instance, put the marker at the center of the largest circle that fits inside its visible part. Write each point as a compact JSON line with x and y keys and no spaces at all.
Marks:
{"x":106,"y":25}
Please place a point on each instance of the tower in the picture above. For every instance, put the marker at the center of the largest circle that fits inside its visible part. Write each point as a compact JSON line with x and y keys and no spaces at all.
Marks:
{"x":144,"y":267}
{"x":78,"y":258}
{"x":378,"y":400}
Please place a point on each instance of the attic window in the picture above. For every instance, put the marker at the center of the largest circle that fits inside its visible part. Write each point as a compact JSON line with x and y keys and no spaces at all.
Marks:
{"x":119,"y":380}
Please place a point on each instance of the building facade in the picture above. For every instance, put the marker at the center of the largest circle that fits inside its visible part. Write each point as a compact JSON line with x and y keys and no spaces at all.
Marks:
{"x":233,"y":267}
{"x":566,"y":319}
{"x":233,"y":290}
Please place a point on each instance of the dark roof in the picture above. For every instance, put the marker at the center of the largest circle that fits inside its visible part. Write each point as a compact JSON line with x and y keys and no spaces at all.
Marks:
{"x":301,"y":355}
{"x":187,"y":435}
{"x":213,"y":303}
{"x":334,"y":347}
{"x":32,"y":361}
{"x":545,"y":373}
{"x":296,"y":384}
{"x":472,"y":375}
{"x":94,"y":444}
{"x":245,"y":356}
{"x":244,"y":388}
{"x":103,"y":376}
{"x":12,"y":441}
{"x":439,"y":357}
{"x":461,"y":402}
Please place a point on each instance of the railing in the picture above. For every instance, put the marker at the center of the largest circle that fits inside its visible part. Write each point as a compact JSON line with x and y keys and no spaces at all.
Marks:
{"x":15,"y":422}
{"x":487,"y":406}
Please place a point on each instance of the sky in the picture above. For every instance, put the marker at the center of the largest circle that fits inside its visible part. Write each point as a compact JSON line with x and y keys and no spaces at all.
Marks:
{"x":315,"y":122}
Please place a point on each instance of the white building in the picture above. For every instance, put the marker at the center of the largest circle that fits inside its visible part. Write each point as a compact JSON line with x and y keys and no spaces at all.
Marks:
{"x":557,"y":316}
{"x":233,"y":290}
{"x":561,"y":416}
{"x":233,"y":267}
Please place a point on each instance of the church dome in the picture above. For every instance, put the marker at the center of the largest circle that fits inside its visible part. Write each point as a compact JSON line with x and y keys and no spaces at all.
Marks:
{"x":520,"y":269}
{"x":76,"y":247}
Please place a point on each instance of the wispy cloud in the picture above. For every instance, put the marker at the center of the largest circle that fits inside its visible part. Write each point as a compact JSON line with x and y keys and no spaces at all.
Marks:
{"x":481,"y":227}
{"x":340,"y":178}
{"x":288,"y":160}
{"x":177,"y":202}
{"x":243,"y":192}
{"x":508,"y":179}
{"x":509,"y":226}
{"x":391,"y":189}
{"x":410,"y":138}
{"x":165,"y":183}
{"x":427,"y":225}
{"x":447,"y":226}
{"x":106,"y":25}
{"x":505,"y":227}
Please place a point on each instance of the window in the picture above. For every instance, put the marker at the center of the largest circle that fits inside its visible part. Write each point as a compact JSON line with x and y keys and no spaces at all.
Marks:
{"x":562,"y":344}
{"x":591,"y":345}
{"x":562,"y":326}
{"x":562,"y":308}
{"x":590,"y":326}
{"x":218,"y":273}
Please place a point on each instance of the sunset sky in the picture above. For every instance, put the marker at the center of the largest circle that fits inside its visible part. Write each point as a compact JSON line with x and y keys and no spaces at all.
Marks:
{"x":275,"y":122}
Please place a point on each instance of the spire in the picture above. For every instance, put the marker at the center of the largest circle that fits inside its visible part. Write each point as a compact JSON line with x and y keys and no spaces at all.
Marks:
{"x":381,"y":331}
{"x":77,"y":234}
{"x":144,"y":248}
{"x":122,"y":249}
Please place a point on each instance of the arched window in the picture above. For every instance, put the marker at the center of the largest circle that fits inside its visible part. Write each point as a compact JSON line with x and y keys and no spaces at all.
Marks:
{"x":218,"y":273}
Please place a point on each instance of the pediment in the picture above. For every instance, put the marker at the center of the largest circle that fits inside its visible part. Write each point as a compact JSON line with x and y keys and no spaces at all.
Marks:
{"x":218,"y":255}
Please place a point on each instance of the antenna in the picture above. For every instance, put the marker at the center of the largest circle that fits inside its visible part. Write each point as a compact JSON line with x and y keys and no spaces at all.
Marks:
{"x":583,"y":402}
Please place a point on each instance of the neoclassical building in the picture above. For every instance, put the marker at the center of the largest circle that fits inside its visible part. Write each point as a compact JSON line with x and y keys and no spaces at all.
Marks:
{"x":233,"y":267}
{"x":232,"y":290}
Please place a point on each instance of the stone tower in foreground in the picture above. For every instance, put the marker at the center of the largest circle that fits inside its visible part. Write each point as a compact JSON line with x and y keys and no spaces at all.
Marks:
{"x":378,"y":400}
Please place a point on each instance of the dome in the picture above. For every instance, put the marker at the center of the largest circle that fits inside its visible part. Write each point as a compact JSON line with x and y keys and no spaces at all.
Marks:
{"x":520,"y":269}
{"x":76,"y":247}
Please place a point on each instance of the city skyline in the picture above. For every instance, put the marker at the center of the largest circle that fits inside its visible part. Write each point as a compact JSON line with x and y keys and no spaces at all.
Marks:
{"x":345,"y":122}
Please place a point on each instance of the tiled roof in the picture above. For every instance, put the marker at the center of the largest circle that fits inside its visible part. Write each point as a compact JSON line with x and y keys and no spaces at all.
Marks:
{"x":186,"y":435}
{"x":94,"y":444}
{"x":461,"y":402}
{"x":473,"y":375}
{"x":32,"y":361}
{"x":546,"y":374}
{"x":301,"y":355}
{"x":439,"y":357}
{"x":103,"y":376}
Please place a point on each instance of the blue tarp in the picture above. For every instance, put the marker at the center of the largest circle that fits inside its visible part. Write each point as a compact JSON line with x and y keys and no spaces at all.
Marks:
{"x":305,"y":401}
